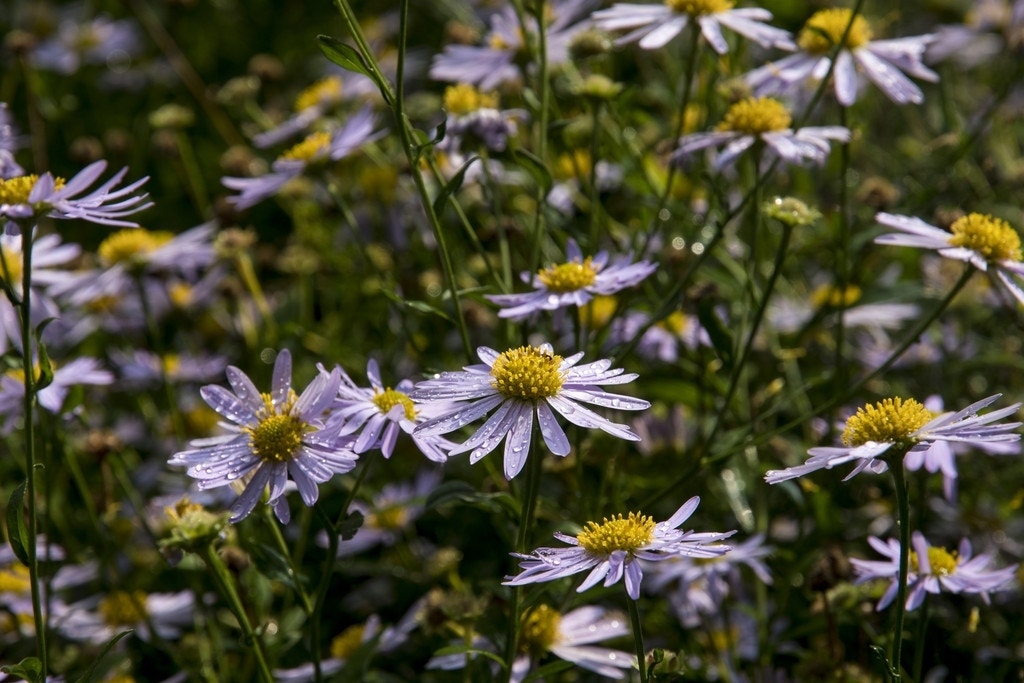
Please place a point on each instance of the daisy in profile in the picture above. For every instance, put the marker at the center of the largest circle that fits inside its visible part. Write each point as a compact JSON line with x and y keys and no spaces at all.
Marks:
{"x":515,"y":385}
{"x":573,"y":283}
{"x":886,"y":63}
{"x":274,"y":435}
{"x":376,"y":415}
{"x":610,"y":550}
{"x":316,"y":101}
{"x":80,"y":371}
{"x":23,"y":199}
{"x":764,"y":122}
{"x":570,"y":636}
{"x":316,"y":150}
{"x":933,"y":569}
{"x":655,"y":25}
{"x":474,"y":119}
{"x":907,"y":426}
{"x":982,"y":240}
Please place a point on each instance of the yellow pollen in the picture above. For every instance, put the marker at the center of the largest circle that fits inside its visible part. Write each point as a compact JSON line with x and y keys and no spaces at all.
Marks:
{"x":463,"y":98}
{"x":10,"y":268}
{"x":538,"y":630}
{"x":392,"y":518}
{"x":825,"y":28}
{"x":676,"y":323}
{"x":699,"y":8}
{"x":573,"y":165}
{"x":15,"y":579}
{"x":180,"y":294}
{"x":312,"y":148}
{"x":756,"y":115}
{"x":121,"y":608}
{"x":617,"y":533}
{"x":527,"y":373}
{"x":568,"y":277}
{"x":277,"y":435}
{"x":891,"y":419}
{"x":16,"y":190}
{"x":347,"y":642}
{"x":828,"y":295}
{"x":942,"y":561}
{"x":325,"y":91}
{"x":991,"y":237}
{"x":129,"y":244}
{"x":389,"y":398}
{"x":599,"y":311}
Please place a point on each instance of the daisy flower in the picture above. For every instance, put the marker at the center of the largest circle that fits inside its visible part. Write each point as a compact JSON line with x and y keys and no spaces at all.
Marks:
{"x":515,"y":385}
{"x":932,"y":569}
{"x":25,"y":198}
{"x":570,"y":636}
{"x":314,"y":102}
{"x":883,"y":62}
{"x":655,"y":25}
{"x":79,"y":371}
{"x":908,"y":426}
{"x":317,"y":149}
{"x":979,"y":239}
{"x":78,"y":41}
{"x":273,"y":436}
{"x":765,"y":122}
{"x":610,"y":550}
{"x":100,"y":618}
{"x":375,"y":416}
{"x":573,"y":283}
{"x":474,"y":116}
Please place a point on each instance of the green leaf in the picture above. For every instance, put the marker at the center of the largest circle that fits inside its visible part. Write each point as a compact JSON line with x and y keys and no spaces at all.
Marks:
{"x":721,"y":337}
{"x":17,"y":532}
{"x":452,"y":186}
{"x":29,"y":668}
{"x":45,"y":378}
{"x":350,"y":525}
{"x":274,"y":565}
{"x":349,"y":58}
{"x":87,"y":677}
{"x":881,"y":662}
{"x":467,"y":650}
{"x":421,"y":306}
{"x":535,"y":167}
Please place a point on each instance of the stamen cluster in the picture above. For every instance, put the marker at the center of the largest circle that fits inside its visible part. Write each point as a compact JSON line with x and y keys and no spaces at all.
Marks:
{"x":825,"y":28}
{"x":527,"y":373}
{"x":756,"y":115}
{"x":568,"y":277}
{"x":617,"y":533}
{"x":991,"y":237}
{"x":891,"y":419}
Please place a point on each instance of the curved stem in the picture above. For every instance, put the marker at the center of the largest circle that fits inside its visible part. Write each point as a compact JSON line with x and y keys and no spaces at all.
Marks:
{"x":903,"y":507}
{"x":638,"y":638}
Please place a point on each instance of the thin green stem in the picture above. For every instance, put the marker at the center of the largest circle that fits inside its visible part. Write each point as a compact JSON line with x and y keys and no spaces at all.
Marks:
{"x":526,"y":515}
{"x":919,"y":642}
{"x":156,"y":343}
{"x":903,"y":508}
{"x":638,"y":638}
{"x":842,"y":257}
{"x":282,"y":547}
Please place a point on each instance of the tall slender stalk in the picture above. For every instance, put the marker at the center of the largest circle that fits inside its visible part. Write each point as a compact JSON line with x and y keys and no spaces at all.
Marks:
{"x":903,"y":510}
{"x":526,"y":514}
{"x":638,"y":638}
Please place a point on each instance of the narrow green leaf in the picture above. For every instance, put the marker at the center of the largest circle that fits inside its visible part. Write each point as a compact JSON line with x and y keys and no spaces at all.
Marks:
{"x":421,"y":306}
{"x":45,"y":378}
{"x":721,"y":337}
{"x":535,"y":167}
{"x":348,"y":58}
{"x":87,"y":677}
{"x":467,"y":650}
{"x":452,"y":186}
{"x":17,"y":532}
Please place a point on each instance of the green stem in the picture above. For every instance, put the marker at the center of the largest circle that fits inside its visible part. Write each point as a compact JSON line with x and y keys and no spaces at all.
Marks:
{"x":638,"y":638}
{"x":919,"y":642}
{"x":903,"y":507}
{"x":527,"y":511}
{"x":543,"y":116}
{"x":222,"y":577}
{"x":842,"y":260}
{"x":156,"y":343}
{"x":282,"y":547}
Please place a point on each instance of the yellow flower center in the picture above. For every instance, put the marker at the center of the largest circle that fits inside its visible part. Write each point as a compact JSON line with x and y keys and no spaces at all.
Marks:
{"x":942,"y":561}
{"x":825,"y":29}
{"x":180,"y":294}
{"x":991,"y":237}
{"x":599,"y":311}
{"x":16,"y":190}
{"x":756,"y":115}
{"x":463,"y":98}
{"x":314,"y":147}
{"x":130,"y":244}
{"x":891,"y":419}
{"x":277,"y":435}
{"x":527,"y":373}
{"x":676,"y":323}
{"x":389,"y":398}
{"x":327,"y":90}
{"x":392,"y":518}
{"x":829,"y":295}
{"x":617,"y":533}
{"x":699,"y":8}
{"x":10,"y":265}
{"x":15,"y":579}
{"x":121,"y":608}
{"x":572,"y":165}
{"x":538,"y":629}
{"x":568,"y":277}
{"x":347,"y":642}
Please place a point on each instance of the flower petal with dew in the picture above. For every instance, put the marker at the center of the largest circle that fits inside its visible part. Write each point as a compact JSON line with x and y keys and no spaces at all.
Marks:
{"x":516,"y":385}
{"x":610,"y":550}
{"x":570,"y":636}
{"x":908,"y":425}
{"x":275,"y":435}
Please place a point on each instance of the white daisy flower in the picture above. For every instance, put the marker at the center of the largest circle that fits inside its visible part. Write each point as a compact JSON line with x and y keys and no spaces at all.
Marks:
{"x":610,"y":550}
{"x":979,"y":239}
{"x":884,"y":62}
{"x":515,"y":385}
{"x":907,"y":425}
{"x":570,"y":636}
{"x":655,"y":25}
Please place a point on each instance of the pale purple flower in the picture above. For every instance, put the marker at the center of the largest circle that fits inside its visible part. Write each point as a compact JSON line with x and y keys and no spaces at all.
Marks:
{"x":273,"y":436}
{"x":314,"y":102}
{"x":137,"y":368}
{"x":99,"y":618}
{"x":317,"y":149}
{"x":100,"y":40}
{"x":932,"y":570}
{"x":9,"y":142}
{"x":964,"y":426}
{"x":573,"y":283}
{"x":982,"y":240}
{"x":610,"y":550}
{"x":515,"y":385}
{"x":81,"y":371}
{"x":653,"y":26}
{"x":884,"y":62}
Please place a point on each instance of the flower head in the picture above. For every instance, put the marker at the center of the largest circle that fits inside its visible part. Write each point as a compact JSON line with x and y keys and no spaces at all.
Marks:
{"x":907,"y":426}
{"x":610,"y":550}
{"x":982,"y":240}
{"x":574,"y":282}
{"x":883,"y":62}
{"x":569,"y":636}
{"x":515,"y":385}
{"x":933,"y":569}
{"x":274,"y":435}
